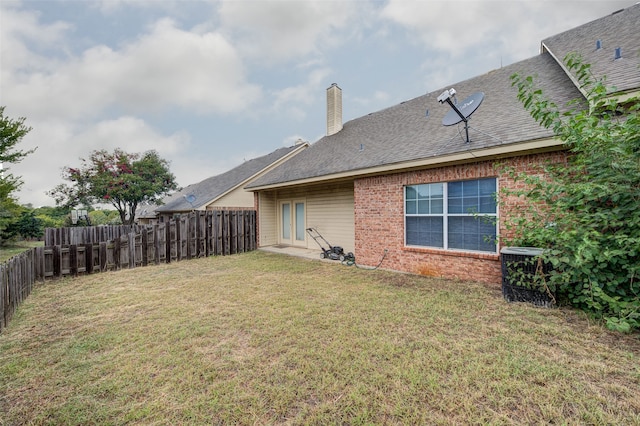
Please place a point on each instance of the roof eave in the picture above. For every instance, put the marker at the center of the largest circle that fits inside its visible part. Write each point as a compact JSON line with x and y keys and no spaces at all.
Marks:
{"x":493,"y":152}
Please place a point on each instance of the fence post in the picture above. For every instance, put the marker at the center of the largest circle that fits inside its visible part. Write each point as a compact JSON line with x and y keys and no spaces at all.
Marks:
{"x":188,"y":238}
{"x":88,"y":258}
{"x":116,"y":253}
{"x":167,"y":242}
{"x":156,"y":244}
{"x":73,"y":260}
{"x":144,"y":240}
{"x":57,"y":258}
{"x":207,"y":233}
{"x":132,"y":249}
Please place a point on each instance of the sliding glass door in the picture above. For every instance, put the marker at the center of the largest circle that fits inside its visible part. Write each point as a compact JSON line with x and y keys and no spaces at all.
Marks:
{"x":292,"y":223}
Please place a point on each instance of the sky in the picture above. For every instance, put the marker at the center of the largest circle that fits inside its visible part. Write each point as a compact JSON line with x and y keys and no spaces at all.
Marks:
{"x":209,"y":84}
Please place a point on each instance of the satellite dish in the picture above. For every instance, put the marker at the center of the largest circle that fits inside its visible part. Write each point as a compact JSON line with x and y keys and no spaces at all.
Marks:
{"x":461,"y":113}
{"x":190,"y":198}
{"x":468,"y":107}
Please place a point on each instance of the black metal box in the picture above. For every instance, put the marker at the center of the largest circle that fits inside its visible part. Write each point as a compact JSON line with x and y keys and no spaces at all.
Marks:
{"x":524,"y":276}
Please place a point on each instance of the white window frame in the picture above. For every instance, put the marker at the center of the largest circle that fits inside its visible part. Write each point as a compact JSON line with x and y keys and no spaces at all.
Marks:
{"x":446,"y":215}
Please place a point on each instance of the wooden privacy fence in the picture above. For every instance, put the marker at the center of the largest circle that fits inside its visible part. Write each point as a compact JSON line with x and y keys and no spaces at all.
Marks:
{"x":198,"y":234}
{"x":87,"y":234}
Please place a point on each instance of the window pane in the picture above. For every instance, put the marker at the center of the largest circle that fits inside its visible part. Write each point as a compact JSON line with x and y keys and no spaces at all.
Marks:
{"x":423,"y":192}
{"x":436,"y":206}
{"x":423,"y":206}
{"x":486,"y":187}
{"x":300,"y":222}
{"x":470,"y":188}
{"x":424,"y":231}
{"x":455,"y":205}
{"x":472,"y":233}
{"x":487,"y":204}
{"x":286,"y":221}
{"x":470,"y":205}
{"x":428,"y":197}
{"x":411,"y":193}
{"x":412,"y":207}
{"x":473,"y":196}
{"x":455,"y":189}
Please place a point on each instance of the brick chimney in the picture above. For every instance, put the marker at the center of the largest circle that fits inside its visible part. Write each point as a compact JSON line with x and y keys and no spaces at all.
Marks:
{"x":334,"y":109}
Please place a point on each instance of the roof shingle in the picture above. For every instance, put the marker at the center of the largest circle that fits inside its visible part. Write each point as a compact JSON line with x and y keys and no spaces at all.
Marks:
{"x":211,"y":188}
{"x":618,"y":30}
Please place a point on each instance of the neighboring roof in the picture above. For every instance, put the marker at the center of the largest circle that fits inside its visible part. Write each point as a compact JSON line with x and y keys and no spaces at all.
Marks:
{"x":210,"y":189}
{"x":146,"y":211}
{"x":620,"y":29}
{"x":404,"y":133}
{"x":402,"y":137}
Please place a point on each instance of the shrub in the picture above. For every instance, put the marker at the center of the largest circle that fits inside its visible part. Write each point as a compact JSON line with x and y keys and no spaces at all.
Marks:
{"x":585,"y":212}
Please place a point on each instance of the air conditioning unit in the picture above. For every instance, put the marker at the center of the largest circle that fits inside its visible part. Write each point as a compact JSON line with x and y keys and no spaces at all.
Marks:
{"x":525,"y":276}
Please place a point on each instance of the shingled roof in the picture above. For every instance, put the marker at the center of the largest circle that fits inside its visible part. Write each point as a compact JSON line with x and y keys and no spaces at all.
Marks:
{"x":403,"y":136}
{"x":620,"y":30}
{"x":210,"y":189}
{"x":405,"y":133}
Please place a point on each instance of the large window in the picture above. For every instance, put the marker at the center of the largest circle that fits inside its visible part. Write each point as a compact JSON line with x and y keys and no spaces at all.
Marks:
{"x":454,"y":215}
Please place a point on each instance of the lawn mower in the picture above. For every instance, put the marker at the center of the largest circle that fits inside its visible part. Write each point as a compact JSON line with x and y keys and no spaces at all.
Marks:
{"x":333,"y":252}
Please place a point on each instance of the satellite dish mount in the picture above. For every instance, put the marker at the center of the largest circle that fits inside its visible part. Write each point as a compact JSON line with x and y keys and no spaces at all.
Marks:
{"x":462,"y":112}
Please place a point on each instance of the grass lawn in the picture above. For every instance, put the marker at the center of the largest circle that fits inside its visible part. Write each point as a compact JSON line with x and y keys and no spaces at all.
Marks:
{"x":262,"y":338}
{"x":8,"y":251}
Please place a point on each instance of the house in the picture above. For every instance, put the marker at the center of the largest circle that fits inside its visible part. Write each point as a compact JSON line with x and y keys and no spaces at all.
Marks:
{"x":397,"y":181}
{"x":225,"y":191}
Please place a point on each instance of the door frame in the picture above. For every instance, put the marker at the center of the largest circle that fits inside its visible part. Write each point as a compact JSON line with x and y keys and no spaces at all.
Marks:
{"x":293,"y":224}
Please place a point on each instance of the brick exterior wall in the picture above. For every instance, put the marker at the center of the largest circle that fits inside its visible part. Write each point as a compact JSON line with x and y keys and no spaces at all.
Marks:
{"x":379,"y":219}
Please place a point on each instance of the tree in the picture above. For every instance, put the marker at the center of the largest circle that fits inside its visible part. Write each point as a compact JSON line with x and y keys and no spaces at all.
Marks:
{"x":28,"y":225}
{"x":585,"y":212}
{"x":105,"y":217}
{"x":11,"y":134}
{"x":52,"y":217}
{"x":119,"y":178}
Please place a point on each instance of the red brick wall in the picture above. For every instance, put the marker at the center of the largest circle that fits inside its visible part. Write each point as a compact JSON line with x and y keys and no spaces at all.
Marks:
{"x":379,"y":219}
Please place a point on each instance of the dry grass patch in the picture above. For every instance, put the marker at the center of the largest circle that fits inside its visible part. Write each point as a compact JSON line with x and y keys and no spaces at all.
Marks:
{"x":261,"y":338}
{"x":15,"y":248}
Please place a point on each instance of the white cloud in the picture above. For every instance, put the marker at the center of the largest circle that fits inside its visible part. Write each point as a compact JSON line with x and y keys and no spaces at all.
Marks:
{"x":113,"y":6}
{"x":196,"y":71}
{"x":20,"y":35}
{"x":163,"y":68}
{"x":510,"y":28}
{"x":281,"y":30}
{"x":294,"y":100}
{"x":131,"y":134}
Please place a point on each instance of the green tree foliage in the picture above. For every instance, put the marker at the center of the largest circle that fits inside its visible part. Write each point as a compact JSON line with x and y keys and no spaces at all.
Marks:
{"x":11,"y":134}
{"x":118,"y":178}
{"x":585,"y":212}
{"x":52,"y":217}
{"x":104,"y":217}
{"x":28,"y":225}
